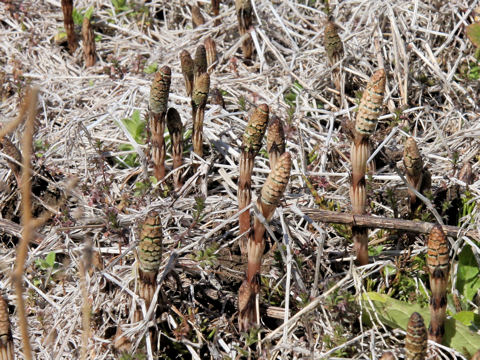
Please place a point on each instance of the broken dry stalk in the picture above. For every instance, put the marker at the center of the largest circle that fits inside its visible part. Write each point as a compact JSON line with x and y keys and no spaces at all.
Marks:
{"x":88,"y":42}
{"x":368,"y":112}
{"x":186,"y":63}
{"x":158,"y":108}
{"x":199,"y":101}
{"x":334,"y":48}
{"x":272,"y":191}
{"x":211,"y":53}
{"x":149,"y":253}
{"x":416,"y":175}
{"x":244,"y":16}
{"x":416,"y":340}
{"x":438,"y":263}
{"x":197,"y":17}
{"x":251,"y":144}
{"x":67,"y":8}
{"x":175,"y":128}
{"x":275,"y":141}
{"x":6,"y":340}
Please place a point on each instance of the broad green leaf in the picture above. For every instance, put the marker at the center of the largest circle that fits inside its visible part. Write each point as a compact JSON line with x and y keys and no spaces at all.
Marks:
{"x":395,"y":313}
{"x":473,"y":33}
{"x":468,"y":318}
{"x":135,"y":126}
{"x":468,"y":273}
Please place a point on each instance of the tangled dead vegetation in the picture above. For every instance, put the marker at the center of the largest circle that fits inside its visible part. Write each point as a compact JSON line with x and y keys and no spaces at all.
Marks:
{"x":72,"y":207}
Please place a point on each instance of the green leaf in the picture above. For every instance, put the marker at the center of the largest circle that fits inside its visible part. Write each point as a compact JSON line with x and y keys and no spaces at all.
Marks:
{"x":135,"y":126}
{"x":473,"y":34}
{"x":395,"y":313}
{"x":150,"y":69}
{"x":468,"y":318}
{"x":468,"y":273}
{"x":77,"y":16}
{"x":50,"y":259}
{"x":88,"y":14}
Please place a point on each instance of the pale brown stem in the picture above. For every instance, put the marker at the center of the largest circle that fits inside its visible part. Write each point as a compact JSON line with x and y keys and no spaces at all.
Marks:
{"x":27,"y":224}
{"x":157,"y":127}
{"x":88,"y":42}
{"x":67,"y":8}
{"x":369,"y":221}
{"x":197,"y":134}
{"x":244,"y":195}
{"x":177,"y":150}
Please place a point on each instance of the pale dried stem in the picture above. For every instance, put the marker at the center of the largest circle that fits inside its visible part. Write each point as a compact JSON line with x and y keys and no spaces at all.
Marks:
{"x":177,"y":150}
{"x":197,"y":135}
{"x":26,"y":218}
{"x":244,"y":195}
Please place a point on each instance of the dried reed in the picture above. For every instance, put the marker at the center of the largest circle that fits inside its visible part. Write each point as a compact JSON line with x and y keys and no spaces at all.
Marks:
{"x":438,"y":263}
{"x":251,"y":144}
{"x":369,"y":109}
{"x":175,"y":128}
{"x":67,"y":8}
{"x":272,"y":191}
{"x":88,"y":42}
{"x":158,"y":108}
{"x":416,"y":339}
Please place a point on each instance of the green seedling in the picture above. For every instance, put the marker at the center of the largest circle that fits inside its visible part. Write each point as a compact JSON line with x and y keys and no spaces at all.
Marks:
{"x":207,"y":256}
{"x":45,"y":267}
{"x":468,"y":273}
{"x":151,"y":69}
{"x":79,"y":14}
{"x":136,"y":127}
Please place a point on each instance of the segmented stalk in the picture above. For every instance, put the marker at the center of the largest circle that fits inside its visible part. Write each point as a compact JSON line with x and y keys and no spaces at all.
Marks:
{"x":67,"y":9}
{"x":199,"y":101}
{"x":149,"y":256}
{"x":414,"y":168}
{"x":186,"y":63}
{"x":211,"y":53}
{"x":158,"y":108}
{"x":368,"y":112}
{"x":200,"y":62}
{"x":175,"y":128}
{"x":438,"y":263}
{"x":416,"y":340}
{"x":272,"y":191}
{"x":88,"y":42}
{"x":6,"y":340}
{"x":334,"y":48}
{"x":11,"y":150}
{"x":251,"y":144}
{"x":370,"y":106}
{"x":244,"y":16}
{"x":275,"y":141}
{"x":197,"y":17}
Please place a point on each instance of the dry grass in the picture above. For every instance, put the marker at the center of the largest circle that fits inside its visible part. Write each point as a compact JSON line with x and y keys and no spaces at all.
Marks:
{"x":79,"y":133}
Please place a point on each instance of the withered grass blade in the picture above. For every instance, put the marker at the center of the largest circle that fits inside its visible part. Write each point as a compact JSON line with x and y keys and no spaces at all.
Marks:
{"x":175,"y":128}
{"x":158,"y":107}
{"x":67,"y":9}
{"x":416,"y":339}
{"x":201,"y":88}
{"x":275,"y":141}
{"x":438,"y":263}
{"x":186,"y":63}
{"x":88,"y":42}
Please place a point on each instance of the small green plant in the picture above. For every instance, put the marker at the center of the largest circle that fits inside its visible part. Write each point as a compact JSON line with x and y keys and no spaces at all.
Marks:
{"x":468,"y":273}
{"x":207,"y":256}
{"x":150,"y":69}
{"x":79,"y":14}
{"x":45,"y":268}
{"x":136,"y":127}
{"x":120,"y":5}
{"x":199,"y":208}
